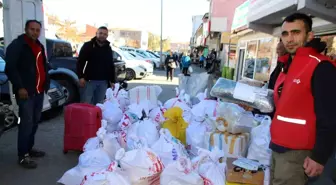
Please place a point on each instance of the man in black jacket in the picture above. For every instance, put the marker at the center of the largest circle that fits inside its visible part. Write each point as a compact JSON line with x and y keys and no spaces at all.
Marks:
{"x":95,"y":68}
{"x":26,"y":68}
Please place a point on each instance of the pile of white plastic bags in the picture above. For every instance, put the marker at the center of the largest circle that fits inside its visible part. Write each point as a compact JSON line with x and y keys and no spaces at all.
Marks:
{"x":134,"y":147}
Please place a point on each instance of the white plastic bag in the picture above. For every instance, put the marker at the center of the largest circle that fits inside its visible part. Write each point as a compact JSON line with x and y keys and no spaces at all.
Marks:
{"x":239,"y":120}
{"x":196,"y":133}
{"x":91,"y":144}
{"x":193,"y":84}
{"x":141,"y":93}
{"x":209,"y":167}
{"x":107,"y":141}
{"x":113,"y":175}
{"x":206,"y":108}
{"x":180,"y":172}
{"x":156,"y":115}
{"x":182,"y":100}
{"x":168,"y":148}
{"x":89,"y":162}
{"x":111,"y":145}
{"x":142,"y":165}
{"x":145,"y":129}
{"x":190,"y":69}
{"x":111,"y":113}
{"x":260,"y":139}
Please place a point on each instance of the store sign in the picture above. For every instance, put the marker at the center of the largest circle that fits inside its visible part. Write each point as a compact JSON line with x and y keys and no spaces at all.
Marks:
{"x":240,"y":16}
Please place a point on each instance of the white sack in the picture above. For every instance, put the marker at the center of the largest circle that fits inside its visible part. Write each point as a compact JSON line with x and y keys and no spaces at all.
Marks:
{"x":260,"y":140}
{"x":89,"y":162}
{"x":180,"y":172}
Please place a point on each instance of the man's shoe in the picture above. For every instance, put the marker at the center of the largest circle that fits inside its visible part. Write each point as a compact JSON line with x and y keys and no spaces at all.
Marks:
{"x":36,"y":153}
{"x":27,"y":162}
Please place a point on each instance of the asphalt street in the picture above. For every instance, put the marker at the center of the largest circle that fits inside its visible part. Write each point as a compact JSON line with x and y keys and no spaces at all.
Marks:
{"x":50,"y":139}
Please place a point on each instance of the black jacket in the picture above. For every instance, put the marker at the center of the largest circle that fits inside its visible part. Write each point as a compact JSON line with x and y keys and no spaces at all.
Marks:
{"x":170,"y":59}
{"x":21,"y":66}
{"x":95,"y":62}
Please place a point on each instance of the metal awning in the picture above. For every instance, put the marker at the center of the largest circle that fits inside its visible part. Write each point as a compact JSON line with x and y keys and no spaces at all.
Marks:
{"x":265,"y":15}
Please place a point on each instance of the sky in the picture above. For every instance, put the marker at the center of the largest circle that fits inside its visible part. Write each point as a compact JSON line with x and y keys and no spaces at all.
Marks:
{"x":137,"y":14}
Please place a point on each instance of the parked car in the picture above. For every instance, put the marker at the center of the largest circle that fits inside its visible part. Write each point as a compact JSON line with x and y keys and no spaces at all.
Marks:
{"x":153,"y":54}
{"x":145,"y":55}
{"x":155,"y":61}
{"x":134,"y":68}
{"x":55,"y":98}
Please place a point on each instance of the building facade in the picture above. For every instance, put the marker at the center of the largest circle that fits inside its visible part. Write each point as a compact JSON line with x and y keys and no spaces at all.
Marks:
{"x":131,"y":38}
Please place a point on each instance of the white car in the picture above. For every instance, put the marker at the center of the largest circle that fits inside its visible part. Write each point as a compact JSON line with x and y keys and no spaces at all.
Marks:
{"x":133,"y":70}
{"x":144,"y":55}
{"x":147,"y":56}
{"x":138,"y":59}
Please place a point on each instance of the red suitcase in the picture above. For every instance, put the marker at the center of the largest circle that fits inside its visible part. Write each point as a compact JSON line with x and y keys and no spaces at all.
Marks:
{"x":81,"y":122}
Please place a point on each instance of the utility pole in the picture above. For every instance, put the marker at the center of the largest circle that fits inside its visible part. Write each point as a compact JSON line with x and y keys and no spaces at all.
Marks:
{"x":161,"y":57}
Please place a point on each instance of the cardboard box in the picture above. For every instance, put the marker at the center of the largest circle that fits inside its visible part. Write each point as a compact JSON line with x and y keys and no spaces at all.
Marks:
{"x":242,"y":177}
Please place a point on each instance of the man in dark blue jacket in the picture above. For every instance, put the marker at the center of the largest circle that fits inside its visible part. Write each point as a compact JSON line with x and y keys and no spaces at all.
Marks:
{"x":26,"y":68}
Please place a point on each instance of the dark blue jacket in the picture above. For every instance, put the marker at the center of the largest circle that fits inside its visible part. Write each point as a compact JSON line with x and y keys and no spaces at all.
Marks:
{"x":21,"y":66}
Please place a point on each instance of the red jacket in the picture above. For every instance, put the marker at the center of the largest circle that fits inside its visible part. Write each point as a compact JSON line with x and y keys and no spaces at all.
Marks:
{"x":40,"y":68}
{"x":294,"y":123}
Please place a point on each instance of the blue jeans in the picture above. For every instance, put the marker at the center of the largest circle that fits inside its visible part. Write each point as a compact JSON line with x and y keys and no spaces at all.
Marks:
{"x":94,"y":92}
{"x":30,"y":114}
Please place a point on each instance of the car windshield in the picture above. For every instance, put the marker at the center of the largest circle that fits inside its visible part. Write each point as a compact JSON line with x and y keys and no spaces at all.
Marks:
{"x":154,"y":55}
{"x":127,"y":55}
{"x":138,"y":55}
{"x":142,"y":55}
{"x":2,"y":65}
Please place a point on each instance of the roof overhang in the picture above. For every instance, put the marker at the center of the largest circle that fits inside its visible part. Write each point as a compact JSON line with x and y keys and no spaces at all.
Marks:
{"x":265,"y":15}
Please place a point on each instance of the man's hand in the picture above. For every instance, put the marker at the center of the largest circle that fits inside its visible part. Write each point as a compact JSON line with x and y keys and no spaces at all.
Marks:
{"x":312,"y":168}
{"x":23,"y":94}
{"x":82,"y":82}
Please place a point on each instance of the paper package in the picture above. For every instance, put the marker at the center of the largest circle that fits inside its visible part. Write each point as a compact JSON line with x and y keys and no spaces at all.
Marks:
{"x":234,"y":145}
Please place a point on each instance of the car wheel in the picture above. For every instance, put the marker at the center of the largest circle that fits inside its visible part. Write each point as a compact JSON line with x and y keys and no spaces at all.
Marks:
{"x":130,"y":74}
{"x":70,"y":91}
{"x":10,"y":120}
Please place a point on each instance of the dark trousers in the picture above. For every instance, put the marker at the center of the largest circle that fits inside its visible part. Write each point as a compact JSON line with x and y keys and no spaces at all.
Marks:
{"x":30,"y":114}
{"x":170,"y":72}
{"x":185,"y":70}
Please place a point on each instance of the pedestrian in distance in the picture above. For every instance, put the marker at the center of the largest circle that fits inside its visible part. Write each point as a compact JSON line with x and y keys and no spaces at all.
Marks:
{"x":303,"y":127}
{"x":171,"y":64}
{"x":186,"y":62}
{"x":27,"y":70}
{"x":95,"y":68}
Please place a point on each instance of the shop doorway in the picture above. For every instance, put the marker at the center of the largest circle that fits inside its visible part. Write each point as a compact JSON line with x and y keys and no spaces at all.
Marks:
{"x":241,"y":57}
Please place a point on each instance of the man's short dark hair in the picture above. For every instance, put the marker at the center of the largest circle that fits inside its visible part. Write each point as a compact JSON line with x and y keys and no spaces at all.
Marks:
{"x":103,"y":28}
{"x":303,"y":17}
{"x":32,"y":21}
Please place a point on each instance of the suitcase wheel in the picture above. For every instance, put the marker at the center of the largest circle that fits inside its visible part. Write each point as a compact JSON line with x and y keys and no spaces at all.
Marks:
{"x":65,"y":151}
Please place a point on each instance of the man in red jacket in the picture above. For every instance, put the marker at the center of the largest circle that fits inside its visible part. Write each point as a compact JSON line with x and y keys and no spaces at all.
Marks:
{"x":27,"y":70}
{"x":303,"y":127}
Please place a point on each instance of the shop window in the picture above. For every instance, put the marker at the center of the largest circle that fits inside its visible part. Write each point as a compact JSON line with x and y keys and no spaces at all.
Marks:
{"x":258,"y":59}
{"x":331,"y":45}
{"x":263,"y":61}
{"x":251,"y":55}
